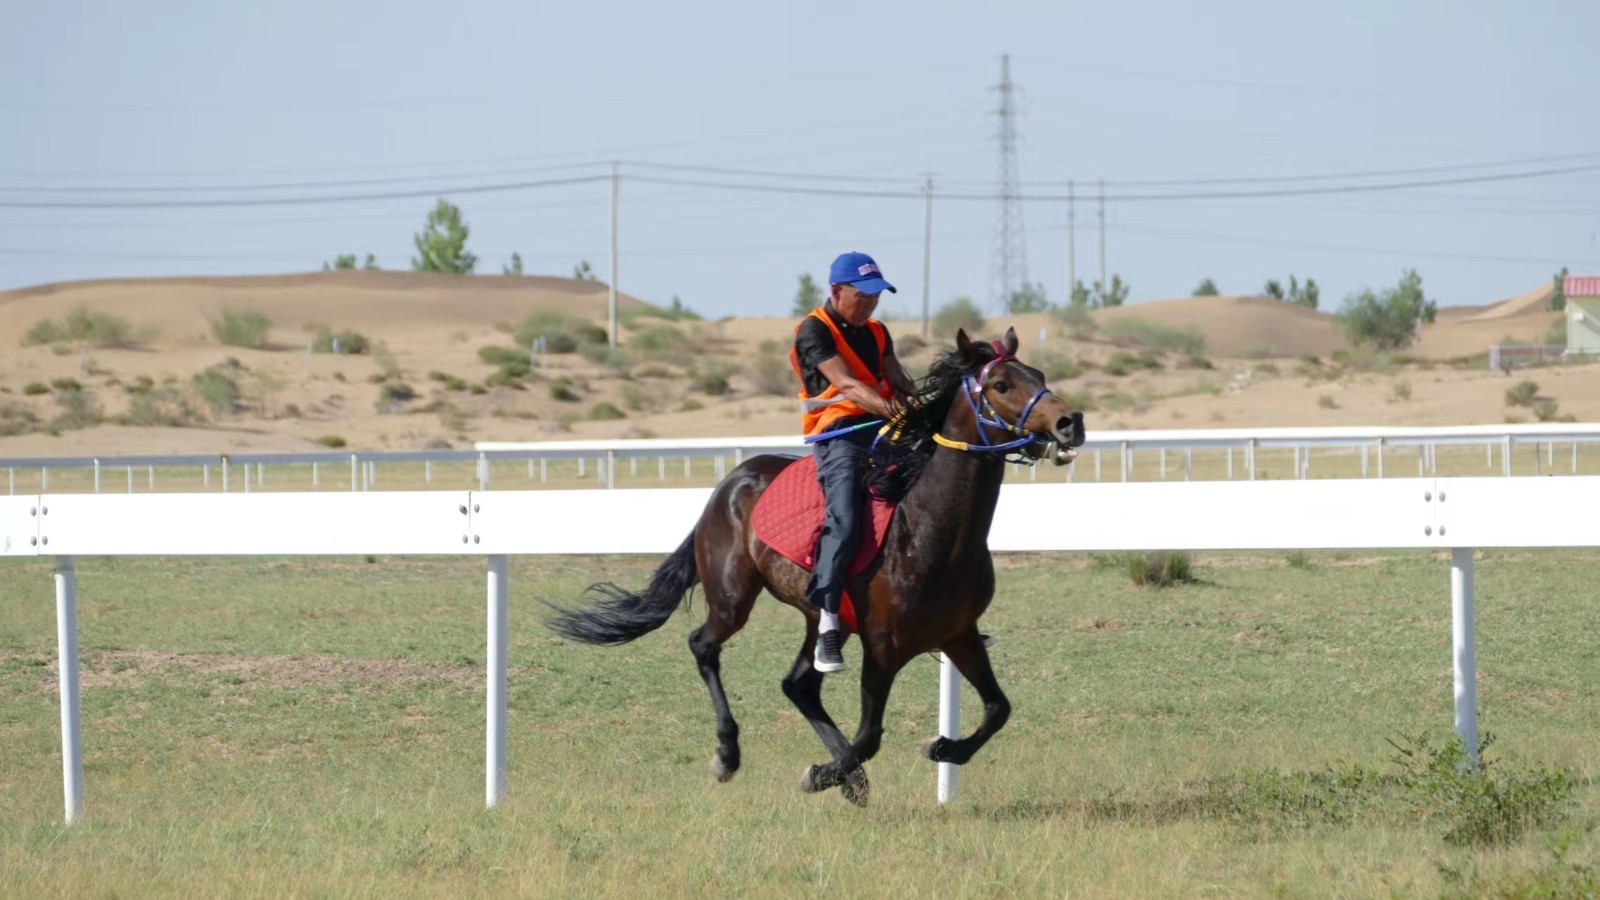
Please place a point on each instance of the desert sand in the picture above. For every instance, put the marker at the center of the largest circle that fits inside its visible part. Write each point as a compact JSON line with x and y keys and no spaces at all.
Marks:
{"x":1270,"y":364}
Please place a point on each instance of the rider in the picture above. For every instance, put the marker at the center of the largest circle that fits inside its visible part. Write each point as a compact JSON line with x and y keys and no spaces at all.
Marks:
{"x":849,"y":381}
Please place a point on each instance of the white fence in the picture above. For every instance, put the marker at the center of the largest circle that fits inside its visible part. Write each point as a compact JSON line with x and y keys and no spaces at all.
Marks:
{"x":1456,"y":514}
{"x":237,"y":472}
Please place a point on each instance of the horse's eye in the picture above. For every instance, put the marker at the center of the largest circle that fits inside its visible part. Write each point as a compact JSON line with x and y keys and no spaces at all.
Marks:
{"x":1002,"y":386}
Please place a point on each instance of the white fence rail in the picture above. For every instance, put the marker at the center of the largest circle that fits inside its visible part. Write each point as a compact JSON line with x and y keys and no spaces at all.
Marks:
{"x":237,"y":472}
{"x":1416,"y":513}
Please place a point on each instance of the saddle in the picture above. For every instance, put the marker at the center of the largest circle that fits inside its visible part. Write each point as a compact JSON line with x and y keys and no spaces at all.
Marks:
{"x":788,"y":518}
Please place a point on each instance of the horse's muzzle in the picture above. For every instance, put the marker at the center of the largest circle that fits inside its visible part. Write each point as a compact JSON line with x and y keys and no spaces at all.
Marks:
{"x":1066,"y":437}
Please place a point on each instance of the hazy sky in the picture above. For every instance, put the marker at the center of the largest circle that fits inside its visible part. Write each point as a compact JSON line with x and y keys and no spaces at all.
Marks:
{"x":144,"y":103}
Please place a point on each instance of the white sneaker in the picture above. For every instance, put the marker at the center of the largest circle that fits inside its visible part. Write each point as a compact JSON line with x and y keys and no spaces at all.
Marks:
{"x":828,"y":658}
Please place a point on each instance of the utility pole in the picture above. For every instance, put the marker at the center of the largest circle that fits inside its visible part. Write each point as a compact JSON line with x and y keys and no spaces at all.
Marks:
{"x":927,"y":248}
{"x":612,"y":331}
{"x":1072,"y":251}
{"x":1105,"y":286}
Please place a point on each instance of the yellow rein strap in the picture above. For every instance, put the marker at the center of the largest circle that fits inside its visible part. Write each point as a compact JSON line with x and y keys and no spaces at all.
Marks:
{"x":943,"y":441}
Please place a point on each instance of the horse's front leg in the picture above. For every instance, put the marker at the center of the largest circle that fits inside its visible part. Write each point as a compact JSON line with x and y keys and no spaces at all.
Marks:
{"x":846,"y":770}
{"x":969,"y":655}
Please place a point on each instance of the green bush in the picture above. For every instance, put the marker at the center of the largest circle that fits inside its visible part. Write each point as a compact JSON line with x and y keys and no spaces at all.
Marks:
{"x":562,"y":333}
{"x":78,"y":410}
{"x":618,"y":359}
{"x":331,"y":440}
{"x":17,"y":419}
{"x":1522,"y":393}
{"x":243,"y":328}
{"x":561,"y":389}
{"x":603,"y":411}
{"x":663,"y":343}
{"x":1390,"y":319}
{"x":394,"y":394}
{"x":217,"y":391}
{"x":499,"y":356}
{"x":770,"y":371}
{"x":1159,"y":569}
{"x":1122,"y":362}
{"x":450,"y":382}
{"x":351,"y":343}
{"x":1546,"y":410}
{"x":711,"y":376}
{"x":100,"y":329}
{"x":162,"y":407}
{"x":960,"y":313}
{"x":35,"y":388}
{"x":66,"y":384}
{"x":1080,"y":324}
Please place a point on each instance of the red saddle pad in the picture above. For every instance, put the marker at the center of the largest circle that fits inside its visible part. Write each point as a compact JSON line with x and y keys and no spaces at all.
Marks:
{"x":788,"y":518}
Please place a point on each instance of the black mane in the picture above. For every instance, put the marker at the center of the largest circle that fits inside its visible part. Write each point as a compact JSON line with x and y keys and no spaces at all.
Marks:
{"x":898,"y":463}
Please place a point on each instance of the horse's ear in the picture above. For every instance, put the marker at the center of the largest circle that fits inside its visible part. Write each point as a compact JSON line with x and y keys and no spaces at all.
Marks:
{"x":1011,"y":342}
{"x":964,"y":345}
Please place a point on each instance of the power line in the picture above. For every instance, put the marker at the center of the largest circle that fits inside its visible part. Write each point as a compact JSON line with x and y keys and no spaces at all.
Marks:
{"x":282,"y":185}
{"x":301,"y":200}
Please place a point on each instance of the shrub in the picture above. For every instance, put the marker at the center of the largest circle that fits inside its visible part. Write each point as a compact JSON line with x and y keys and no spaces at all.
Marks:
{"x":78,"y":410}
{"x":603,"y":411}
{"x":66,"y":384}
{"x":394,"y":394}
{"x":450,"y":382}
{"x":350,"y":343}
{"x":245,"y":328}
{"x":1160,"y":568}
{"x":100,"y":329}
{"x":35,"y":388}
{"x":663,"y":343}
{"x":1075,"y":316}
{"x":1122,"y":362}
{"x":331,"y":440}
{"x":1388,"y":320}
{"x":1154,"y":335}
{"x":1298,"y":559}
{"x":770,"y":371}
{"x":907,"y":345}
{"x":711,"y":376}
{"x":217,"y":391}
{"x":958,"y":313}
{"x":615,"y":358}
{"x":162,"y":407}
{"x":561,"y":389}
{"x":1206,"y":288}
{"x":1326,"y":401}
{"x":562,"y":333}
{"x":1546,"y":410}
{"x":1522,"y":393}
{"x":639,"y":398}
{"x":1056,"y":365}
{"x":1400,"y":392}
{"x":17,"y":419}
{"x":499,"y":356}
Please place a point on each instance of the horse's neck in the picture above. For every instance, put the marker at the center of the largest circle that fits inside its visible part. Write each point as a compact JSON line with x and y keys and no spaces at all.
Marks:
{"x":961,"y":487}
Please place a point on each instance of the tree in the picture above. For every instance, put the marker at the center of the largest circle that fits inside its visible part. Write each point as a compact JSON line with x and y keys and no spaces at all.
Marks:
{"x":681,"y":310}
{"x":371,"y":264}
{"x":1206,"y":288}
{"x":1558,"y":296}
{"x":1388,"y":320}
{"x":1028,"y":299}
{"x":340,"y":262}
{"x":1307,"y":295}
{"x":515,"y":268}
{"x":958,"y":313}
{"x":1273,"y":289}
{"x":1116,"y":296}
{"x":807,"y":297}
{"x":442,"y":244}
{"x":582,"y":272}
{"x":1080,"y":296}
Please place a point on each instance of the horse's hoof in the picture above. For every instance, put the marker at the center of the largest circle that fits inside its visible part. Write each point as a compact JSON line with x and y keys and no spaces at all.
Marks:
{"x":723,"y":772}
{"x":856,"y":788}
{"x":933,"y":748}
{"x":808,"y":780}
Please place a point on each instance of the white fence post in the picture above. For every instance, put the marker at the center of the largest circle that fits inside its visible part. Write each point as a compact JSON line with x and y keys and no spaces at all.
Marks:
{"x":949,"y":724}
{"x":1464,"y":649}
{"x":495,"y":739}
{"x":67,"y":662}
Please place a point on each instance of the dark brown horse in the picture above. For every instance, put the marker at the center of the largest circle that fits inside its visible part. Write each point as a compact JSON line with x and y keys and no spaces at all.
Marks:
{"x":924,"y":592}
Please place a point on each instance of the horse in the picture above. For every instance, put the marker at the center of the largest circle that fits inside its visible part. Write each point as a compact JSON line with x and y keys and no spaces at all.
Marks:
{"x":924,"y":592}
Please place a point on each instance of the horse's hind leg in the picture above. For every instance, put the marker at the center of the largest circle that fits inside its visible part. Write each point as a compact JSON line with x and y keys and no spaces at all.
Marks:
{"x":730,"y":593}
{"x":967,"y":652}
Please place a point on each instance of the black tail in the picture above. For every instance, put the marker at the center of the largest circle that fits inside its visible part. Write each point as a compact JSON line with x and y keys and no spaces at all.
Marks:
{"x":616,"y":616}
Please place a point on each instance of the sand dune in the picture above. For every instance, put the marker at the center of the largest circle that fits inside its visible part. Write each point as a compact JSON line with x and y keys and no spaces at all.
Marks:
{"x":432,"y":327}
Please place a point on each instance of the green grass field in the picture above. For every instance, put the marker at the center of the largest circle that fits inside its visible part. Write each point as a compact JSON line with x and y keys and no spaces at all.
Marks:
{"x":280,"y":727}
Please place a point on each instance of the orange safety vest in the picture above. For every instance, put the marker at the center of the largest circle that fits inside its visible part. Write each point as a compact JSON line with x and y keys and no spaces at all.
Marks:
{"x":820,"y":412}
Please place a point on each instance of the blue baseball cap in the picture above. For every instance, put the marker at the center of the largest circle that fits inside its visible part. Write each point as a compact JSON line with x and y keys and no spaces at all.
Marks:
{"x":860,"y":272}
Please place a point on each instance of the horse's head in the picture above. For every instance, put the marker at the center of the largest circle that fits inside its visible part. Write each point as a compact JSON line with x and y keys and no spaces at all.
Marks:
{"x":1004,"y":390}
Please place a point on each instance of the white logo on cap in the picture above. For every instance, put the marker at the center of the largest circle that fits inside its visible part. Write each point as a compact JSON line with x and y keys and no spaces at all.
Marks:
{"x":868,"y":269}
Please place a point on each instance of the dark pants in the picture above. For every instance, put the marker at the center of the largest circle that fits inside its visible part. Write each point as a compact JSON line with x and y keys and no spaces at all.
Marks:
{"x":840,"y":462}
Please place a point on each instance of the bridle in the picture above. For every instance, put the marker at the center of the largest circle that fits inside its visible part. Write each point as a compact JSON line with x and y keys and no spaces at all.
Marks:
{"x":988,"y":417}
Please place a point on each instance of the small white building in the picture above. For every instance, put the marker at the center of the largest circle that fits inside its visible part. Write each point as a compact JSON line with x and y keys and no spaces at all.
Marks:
{"x":1583,"y":313}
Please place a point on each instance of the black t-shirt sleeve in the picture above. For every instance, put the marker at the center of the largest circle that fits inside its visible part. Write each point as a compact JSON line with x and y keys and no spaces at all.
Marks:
{"x":814,"y":344}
